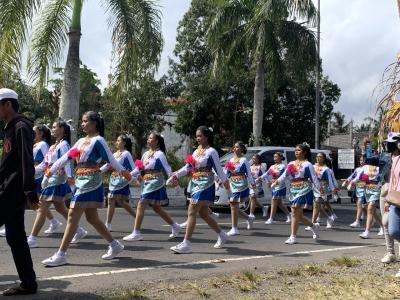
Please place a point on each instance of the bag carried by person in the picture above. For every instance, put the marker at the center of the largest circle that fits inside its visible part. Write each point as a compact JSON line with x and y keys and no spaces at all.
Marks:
{"x":393,"y":196}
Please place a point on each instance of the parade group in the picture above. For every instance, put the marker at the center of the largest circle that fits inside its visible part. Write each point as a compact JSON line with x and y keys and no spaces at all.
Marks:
{"x":60,"y":173}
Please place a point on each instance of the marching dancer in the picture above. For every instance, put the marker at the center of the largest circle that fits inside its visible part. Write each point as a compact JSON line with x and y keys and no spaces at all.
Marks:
{"x":279,"y":190}
{"x":119,"y":191}
{"x":201,"y":187}
{"x":324,"y":193}
{"x":58,"y":190}
{"x":40,"y":149}
{"x":240,"y":179}
{"x":153,"y":164}
{"x":359,"y":192}
{"x":370,"y":174}
{"x":257,"y":170}
{"x":89,"y":193}
{"x":302,"y":176}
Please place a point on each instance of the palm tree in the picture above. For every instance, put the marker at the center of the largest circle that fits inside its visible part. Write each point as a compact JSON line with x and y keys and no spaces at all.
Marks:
{"x":267,"y":32}
{"x":136,"y":38}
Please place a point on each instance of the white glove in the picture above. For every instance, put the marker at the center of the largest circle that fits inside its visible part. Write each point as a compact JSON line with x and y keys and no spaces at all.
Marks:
{"x":45,"y":182}
{"x":169,"y":180}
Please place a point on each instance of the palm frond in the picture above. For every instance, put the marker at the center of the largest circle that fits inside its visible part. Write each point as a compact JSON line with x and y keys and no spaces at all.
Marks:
{"x":15,"y":18}
{"x":300,"y":44}
{"x":136,"y":37}
{"x":387,"y":93}
{"x":226,"y":32}
{"x":302,"y":10}
{"x":49,"y":38}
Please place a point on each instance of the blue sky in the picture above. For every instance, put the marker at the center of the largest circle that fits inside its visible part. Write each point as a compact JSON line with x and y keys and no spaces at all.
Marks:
{"x":359,"y":39}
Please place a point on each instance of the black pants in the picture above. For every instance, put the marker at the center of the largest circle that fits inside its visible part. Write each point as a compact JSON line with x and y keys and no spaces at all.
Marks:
{"x":13,"y":219}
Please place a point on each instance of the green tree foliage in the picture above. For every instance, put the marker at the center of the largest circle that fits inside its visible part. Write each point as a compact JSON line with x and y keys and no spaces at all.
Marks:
{"x":289,"y":106}
{"x":339,"y":124}
{"x":210,"y":101}
{"x":289,"y":118}
{"x":137,"y":112}
{"x":90,"y":93}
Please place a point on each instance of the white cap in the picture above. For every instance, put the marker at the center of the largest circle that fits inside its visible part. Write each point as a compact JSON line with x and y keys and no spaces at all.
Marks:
{"x":393,"y":137}
{"x":8,"y":94}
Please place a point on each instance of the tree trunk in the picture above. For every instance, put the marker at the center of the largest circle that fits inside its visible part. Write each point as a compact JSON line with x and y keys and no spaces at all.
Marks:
{"x":258,"y":106}
{"x":69,"y":105}
{"x":70,"y":94}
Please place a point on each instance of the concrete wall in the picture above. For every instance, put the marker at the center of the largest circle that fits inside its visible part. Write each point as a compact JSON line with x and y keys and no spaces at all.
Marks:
{"x":180,"y":144}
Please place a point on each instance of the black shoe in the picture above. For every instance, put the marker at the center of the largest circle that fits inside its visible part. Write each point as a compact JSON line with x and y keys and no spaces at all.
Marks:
{"x":13,"y":291}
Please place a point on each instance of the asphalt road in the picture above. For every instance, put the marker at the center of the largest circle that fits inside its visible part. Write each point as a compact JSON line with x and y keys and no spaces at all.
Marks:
{"x":87,"y":275}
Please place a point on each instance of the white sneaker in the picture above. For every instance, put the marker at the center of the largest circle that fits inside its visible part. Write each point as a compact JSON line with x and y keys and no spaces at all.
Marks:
{"x":269,"y":221}
{"x":355,"y":224}
{"x":182,"y":248}
{"x":388,"y":258}
{"x":222,"y":238}
{"x":113,"y":251}
{"x":315,"y":230}
{"x":79,"y":235}
{"x":108,"y":226}
{"x":250,"y":222}
{"x":3,"y":232}
{"x":288,"y":219}
{"x":380,"y":233}
{"x":318,"y":220}
{"x":365,"y":235}
{"x":334,"y":217}
{"x":55,"y":261}
{"x":265,"y":211}
{"x":183,"y":225}
{"x":53,"y":227}
{"x":329,"y":222}
{"x":134,"y":236}
{"x":362,"y":217}
{"x":233,"y":232}
{"x":291,"y":240}
{"x":215,"y":215}
{"x":32,"y":242}
{"x":308,"y":228}
{"x":175,"y":231}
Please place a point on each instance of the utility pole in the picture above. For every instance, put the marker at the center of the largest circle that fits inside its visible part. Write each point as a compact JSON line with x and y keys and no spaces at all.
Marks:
{"x":317,"y":89}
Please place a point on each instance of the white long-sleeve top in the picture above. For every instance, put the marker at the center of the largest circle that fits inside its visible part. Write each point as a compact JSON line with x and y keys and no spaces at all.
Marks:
{"x":55,"y":152}
{"x":333,"y":178}
{"x":124,"y":158}
{"x":368,"y":173}
{"x":94,"y":149}
{"x":304,"y":171}
{"x":325,"y":173}
{"x":207,"y":158}
{"x":242,"y":166}
{"x":155,"y":161}
{"x":39,"y":151}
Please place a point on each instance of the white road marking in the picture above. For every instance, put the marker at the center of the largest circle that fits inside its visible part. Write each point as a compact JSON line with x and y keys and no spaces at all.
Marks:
{"x":214,"y":261}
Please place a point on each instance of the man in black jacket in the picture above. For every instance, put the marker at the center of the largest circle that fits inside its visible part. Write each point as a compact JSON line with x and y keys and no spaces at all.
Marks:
{"x":17,"y":186}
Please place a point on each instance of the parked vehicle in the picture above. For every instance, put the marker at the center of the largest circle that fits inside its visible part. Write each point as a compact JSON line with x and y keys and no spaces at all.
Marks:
{"x":267,"y":156}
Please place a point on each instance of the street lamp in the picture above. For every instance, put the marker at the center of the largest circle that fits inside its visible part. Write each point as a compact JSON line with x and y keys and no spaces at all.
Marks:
{"x":317,"y":89}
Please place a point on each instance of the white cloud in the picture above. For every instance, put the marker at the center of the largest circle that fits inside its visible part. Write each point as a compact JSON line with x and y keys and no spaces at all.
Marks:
{"x":359,"y":38}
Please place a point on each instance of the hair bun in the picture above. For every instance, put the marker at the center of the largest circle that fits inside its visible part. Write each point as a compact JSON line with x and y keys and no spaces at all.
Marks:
{"x":305,"y":144}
